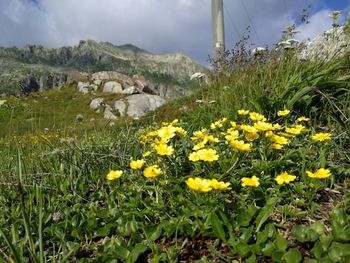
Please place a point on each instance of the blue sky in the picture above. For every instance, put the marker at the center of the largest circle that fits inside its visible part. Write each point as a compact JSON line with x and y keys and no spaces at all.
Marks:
{"x":160,"y":26}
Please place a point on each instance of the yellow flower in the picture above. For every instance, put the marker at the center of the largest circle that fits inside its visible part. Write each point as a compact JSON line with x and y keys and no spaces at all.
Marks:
{"x":233,"y":124}
{"x":252,"y":137}
{"x":200,"y":145}
{"x":303,"y":118}
{"x":253,"y":181}
{"x":321,"y":136}
{"x":166,"y":133}
{"x":199,"y":184}
{"x":232,"y":135}
{"x":146,"y":154}
{"x":164,"y":149}
{"x":138,"y":164}
{"x":112,"y":175}
{"x":256,"y":116}
{"x":285,"y":178}
{"x":248,"y":128}
{"x":215,"y":184}
{"x":263,"y":126}
{"x":208,"y":155}
{"x":211,"y":138}
{"x":269,"y":134}
{"x":180,"y":131}
{"x":152,"y":171}
{"x":241,"y":145}
{"x":279,"y":139}
{"x":277,"y":127}
{"x":199,"y":135}
{"x":320,"y":173}
{"x":283,"y":113}
{"x":218,"y":124}
{"x":276,"y":146}
{"x":243,"y":112}
{"x":293,"y":130}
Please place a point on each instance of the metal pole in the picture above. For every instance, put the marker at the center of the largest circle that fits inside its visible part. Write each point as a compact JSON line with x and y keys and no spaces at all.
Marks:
{"x":218,"y":26}
{"x":348,"y":14}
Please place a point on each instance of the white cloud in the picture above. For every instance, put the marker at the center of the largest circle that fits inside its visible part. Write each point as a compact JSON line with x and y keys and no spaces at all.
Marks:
{"x":319,"y":22}
{"x":156,"y":25}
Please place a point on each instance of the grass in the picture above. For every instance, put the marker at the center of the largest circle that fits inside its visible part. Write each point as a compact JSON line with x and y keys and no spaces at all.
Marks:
{"x":58,"y":205}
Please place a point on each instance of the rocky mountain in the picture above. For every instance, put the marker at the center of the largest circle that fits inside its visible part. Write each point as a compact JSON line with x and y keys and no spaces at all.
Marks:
{"x":35,"y":68}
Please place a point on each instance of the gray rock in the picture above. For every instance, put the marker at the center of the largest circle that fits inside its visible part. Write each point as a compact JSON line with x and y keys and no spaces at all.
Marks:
{"x":131,"y":90}
{"x":112,"y":75}
{"x":96,"y":103}
{"x":97,"y":82}
{"x":173,"y":92}
{"x":140,"y":104}
{"x":112,"y":87}
{"x":108,"y":114}
{"x":120,"y":106}
{"x":83,"y":87}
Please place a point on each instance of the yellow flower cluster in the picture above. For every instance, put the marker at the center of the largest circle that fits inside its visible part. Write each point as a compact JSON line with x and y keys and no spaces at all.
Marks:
{"x":207,"y":155}
{"x":205,"y":185}
{"x":248,"y":137}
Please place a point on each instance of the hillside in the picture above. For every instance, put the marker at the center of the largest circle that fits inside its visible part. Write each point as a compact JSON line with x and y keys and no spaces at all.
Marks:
{"x":52,"y":67}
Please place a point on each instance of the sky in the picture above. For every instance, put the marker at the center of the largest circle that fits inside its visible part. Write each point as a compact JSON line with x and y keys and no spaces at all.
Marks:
{"x":159,"y":26}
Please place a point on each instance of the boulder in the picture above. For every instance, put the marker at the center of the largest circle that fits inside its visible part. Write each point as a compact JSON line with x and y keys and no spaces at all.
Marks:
{"x":112,"y":87}
{"x":108,"y":114}
{"x":140,"y":104}
{"x":112,"y":75}
{"x":131,"y":90}
{"x":171,"y":92}
{"x":96,"y":103}
{"x":2,"y":102}
{"x":120,"y":106}
{"x":140,"y":81}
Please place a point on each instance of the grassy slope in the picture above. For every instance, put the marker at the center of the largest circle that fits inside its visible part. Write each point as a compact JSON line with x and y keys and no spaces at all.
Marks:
{"x":57,"y":204}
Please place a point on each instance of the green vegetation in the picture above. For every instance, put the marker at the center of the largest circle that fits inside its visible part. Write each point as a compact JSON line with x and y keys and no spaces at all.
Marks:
{"x":59,"y":206}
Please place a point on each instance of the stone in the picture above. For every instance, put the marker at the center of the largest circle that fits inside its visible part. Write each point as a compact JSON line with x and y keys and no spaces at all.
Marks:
{"x":140,"y":81}
{"x":197,"y":76}
{"x":83,"y":87}
{"x":97,"y":82}
{"x":130,"y":90}
{"x":120,"y":106}
{"x":171,"y":92}
{"x":108,"y":114}
{"x":112,"y":75}
{"x":96,"y":103}
{"x":2,"y":102}
{"x":140,"y":104}
{"x":112,"y":87}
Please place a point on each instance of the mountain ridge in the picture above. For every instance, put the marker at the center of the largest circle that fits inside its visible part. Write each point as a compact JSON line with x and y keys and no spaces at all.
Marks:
{"x":89,"y":56}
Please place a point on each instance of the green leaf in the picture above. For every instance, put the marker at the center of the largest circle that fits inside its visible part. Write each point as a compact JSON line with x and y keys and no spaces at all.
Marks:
{"x":340,"y":232}
{"x":292,"y":256}
{"x":153,"y":232}
{"x":243,"y":250}
{"x":265,"y":212}
{"x":281,"y":243}
{"x":338,"y":252}
{"x":340,"y":217}
{"x":217,"y":226}
{"x":246,"y":216}
{"x":317,"y":250}
{"x":136,"y":252}
{"x":318,"y":226}
{"x":122,"y":252}
{"x":268,"y":249}
{"x":277,"y":256}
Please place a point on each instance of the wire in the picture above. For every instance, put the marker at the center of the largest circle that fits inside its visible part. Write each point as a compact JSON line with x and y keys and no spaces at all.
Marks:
{"x":233,"y":24}
{"x":250,"y":20}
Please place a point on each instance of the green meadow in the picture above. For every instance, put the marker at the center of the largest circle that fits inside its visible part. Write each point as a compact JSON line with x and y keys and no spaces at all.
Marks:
{"x":253,"y":167}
